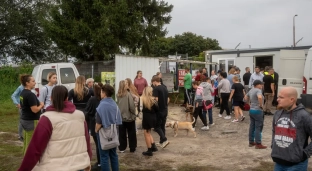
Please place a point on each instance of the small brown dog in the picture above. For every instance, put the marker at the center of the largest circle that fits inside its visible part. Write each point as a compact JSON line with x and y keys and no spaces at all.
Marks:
{"x":176,"y":125}
{"x":189,"y":112}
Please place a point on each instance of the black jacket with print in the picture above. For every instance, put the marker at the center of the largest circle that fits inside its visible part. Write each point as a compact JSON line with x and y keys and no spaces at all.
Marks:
{"x":291,"y":131}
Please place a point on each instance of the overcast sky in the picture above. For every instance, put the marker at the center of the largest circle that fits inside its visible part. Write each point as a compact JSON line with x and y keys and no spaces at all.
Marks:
{"x":259,"y":23}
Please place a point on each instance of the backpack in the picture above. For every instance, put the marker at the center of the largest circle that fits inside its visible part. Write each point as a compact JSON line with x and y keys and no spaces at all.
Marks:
{"x":207,"y":104}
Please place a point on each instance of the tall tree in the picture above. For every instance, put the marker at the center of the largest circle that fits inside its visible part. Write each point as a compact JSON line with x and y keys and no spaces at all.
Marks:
{"x":92,"y":30}
{"x":187,"y":42}
{"x":21,"y":36}
{"x":193,"y":44}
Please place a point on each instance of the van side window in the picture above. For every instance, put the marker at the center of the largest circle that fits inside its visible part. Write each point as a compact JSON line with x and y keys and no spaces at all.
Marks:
{"x":67,"y":75}
{"x":44,"y":75}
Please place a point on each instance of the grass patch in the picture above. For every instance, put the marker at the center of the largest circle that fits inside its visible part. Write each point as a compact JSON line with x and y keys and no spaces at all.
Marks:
{"x":10,"y":151}
{"x":9,"y":117}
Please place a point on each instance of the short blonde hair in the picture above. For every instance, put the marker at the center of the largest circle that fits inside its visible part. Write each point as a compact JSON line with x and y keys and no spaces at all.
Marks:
{"x":89,"y":80}
{"x":50,"y":74}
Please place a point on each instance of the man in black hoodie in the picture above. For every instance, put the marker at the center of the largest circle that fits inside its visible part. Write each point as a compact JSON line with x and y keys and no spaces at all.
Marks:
{"x":292,"y":127}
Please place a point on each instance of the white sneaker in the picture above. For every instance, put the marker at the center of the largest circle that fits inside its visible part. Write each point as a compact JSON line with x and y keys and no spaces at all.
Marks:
{"x":205,"y":128}
{"x":235,"y":120}
{"x":164,"y":144}
{"x":212,"y":124}
{"x":121,"y":151}
{"x":220,"y":116}
{"x":193,"y":129}
{"x":227,"y":117}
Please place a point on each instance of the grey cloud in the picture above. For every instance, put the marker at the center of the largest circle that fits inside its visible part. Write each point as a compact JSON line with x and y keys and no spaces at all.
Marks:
{"x":259,"y":23}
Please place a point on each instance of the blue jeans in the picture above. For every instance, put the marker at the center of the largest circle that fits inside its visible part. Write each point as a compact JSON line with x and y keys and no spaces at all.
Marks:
{"x":255,"y":126}
{"x":303,"y":166}
{"x":209,"y":115}
{"x":106,"y":156}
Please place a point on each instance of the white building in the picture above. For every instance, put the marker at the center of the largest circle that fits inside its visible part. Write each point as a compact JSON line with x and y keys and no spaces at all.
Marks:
{"x":243,"y":58}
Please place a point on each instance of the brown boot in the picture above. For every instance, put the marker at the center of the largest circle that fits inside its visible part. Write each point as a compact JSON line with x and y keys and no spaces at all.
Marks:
{"x":251,"y":144}
{"x":260,"y":146}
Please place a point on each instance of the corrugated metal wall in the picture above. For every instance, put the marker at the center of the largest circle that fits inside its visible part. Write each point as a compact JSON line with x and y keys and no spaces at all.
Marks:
{"x":127,"y":67}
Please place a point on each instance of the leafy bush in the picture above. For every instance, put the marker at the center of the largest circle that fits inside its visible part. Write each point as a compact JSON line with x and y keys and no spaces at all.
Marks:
{"x":9,"y":77}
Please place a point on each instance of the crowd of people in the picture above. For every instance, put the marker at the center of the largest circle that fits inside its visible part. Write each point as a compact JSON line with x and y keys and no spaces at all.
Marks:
{"x":55,"y":127}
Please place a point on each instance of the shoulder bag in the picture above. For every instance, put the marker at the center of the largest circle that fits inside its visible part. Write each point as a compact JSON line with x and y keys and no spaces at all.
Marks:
{"x":108,"y":136}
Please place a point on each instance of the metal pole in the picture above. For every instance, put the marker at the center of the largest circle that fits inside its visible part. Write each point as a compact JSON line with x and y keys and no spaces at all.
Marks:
{"x":294,"y":34}
{"x":92,"y":71}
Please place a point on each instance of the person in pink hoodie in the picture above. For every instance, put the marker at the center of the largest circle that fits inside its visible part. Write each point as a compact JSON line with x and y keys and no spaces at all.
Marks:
{"x":140,"y":83}
{"x":199,"y":105}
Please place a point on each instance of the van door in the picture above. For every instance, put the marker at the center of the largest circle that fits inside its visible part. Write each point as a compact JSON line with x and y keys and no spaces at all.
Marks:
{"x":242,"y":62}
{"x":291,"y":64}
{"x":41,"y":78}
{"x":307,"y":75}
{"x":68,"y":75}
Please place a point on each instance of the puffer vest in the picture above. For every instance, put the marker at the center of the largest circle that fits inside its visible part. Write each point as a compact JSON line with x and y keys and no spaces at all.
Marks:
{"x":67,"y":148}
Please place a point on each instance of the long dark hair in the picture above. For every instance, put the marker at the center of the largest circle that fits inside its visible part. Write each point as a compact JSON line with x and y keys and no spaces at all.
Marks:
{"x":58,"y":96}
{"x":97,"y":92}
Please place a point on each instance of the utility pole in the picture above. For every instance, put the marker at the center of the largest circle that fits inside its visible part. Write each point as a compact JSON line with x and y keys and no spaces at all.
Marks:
{"x":294,"y":34}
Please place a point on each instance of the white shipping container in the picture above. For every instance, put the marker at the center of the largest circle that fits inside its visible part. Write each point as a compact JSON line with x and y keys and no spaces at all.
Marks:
{"x":127,"y":66}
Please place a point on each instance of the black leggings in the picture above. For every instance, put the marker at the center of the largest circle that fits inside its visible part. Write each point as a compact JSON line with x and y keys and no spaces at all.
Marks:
{"x":199,"y":112}
{"x":97,"y":149}
{"x":225,"y":103}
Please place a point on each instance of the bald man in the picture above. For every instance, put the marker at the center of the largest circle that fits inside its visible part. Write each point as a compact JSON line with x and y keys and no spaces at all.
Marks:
{"x":292,"y":127}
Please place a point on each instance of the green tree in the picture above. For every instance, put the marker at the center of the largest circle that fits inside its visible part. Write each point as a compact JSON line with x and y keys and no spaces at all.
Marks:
{"x":93,"y":30}
{"x":193,"y":44}
{"x":21,"y":36}
{"x":187,"y":42}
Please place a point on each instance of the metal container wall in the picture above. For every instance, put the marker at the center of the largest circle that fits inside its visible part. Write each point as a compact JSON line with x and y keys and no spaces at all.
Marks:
{"x":127,"y":67}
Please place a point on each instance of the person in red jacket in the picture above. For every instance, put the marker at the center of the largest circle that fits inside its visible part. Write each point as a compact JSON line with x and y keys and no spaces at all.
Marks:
{"x":200,"y":76}
{"x":140,"y":83}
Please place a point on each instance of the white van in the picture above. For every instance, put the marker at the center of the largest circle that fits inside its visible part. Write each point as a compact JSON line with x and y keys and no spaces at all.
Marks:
{"x":66,"y":75}
{"x":295,"y":70}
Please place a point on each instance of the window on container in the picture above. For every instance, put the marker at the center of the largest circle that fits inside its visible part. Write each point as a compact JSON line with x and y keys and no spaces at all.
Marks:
{"x":230,"y":64}
{"x":67,"y":75}
{"x":222,"y":65}
{"x":44,"y":76}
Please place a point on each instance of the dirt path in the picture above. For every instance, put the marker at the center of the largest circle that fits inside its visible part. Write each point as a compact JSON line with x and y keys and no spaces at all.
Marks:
{"x":211,"y":149}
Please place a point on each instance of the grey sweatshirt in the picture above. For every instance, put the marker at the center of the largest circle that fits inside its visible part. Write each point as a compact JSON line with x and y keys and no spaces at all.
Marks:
{"x":224,"y":86}
{"x":207,"y":90}
{"x":127,"y":108}
{"x":291,"y":131}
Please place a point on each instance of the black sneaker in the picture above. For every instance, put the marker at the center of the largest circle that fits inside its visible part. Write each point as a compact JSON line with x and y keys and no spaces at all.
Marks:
{"x":132,"y":150}
{"x":96,"y":166}
{"x":147,"y":153}
{"x":21,"y":139}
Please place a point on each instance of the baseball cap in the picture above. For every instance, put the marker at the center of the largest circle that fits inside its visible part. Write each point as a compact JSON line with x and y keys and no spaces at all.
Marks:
{"x":219,"y":71}
{"x":257,"y":82}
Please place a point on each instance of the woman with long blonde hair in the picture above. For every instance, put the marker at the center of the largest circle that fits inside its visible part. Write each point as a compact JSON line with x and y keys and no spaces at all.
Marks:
{"x":127,"y":109}
{"x":80,"y":95}
{"x":149,"y":108}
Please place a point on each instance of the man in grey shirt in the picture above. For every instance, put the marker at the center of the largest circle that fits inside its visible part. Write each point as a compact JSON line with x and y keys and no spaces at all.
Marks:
{"x":256,"y":115}
{"x":46,"y":91}
{"x":255,"y":76}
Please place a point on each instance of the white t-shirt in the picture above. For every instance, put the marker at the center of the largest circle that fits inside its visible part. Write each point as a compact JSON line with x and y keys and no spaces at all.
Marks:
{"x":45,"y":95}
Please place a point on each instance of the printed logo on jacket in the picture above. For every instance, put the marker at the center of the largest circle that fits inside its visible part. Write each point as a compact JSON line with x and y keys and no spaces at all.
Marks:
{"x":285,"y":132}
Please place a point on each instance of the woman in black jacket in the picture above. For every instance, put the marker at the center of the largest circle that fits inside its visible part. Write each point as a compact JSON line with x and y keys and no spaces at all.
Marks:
{"x":90,"y":113}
